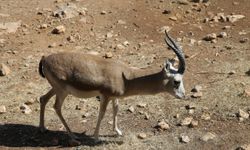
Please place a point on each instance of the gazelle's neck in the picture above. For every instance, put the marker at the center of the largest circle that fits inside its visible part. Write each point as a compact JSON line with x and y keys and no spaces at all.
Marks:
{"x":145,"y":81}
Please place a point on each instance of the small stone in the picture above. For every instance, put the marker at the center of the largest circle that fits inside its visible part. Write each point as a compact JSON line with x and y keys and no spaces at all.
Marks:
{"x":173,"y":18}
{"x":197,"y":95}
{"x":52,"y":45}
{"x":126,"y":43}
{"x":244,"y":147}
{"x":141,"y":105}
{"x":25,"y":109}
{"x":108,"y":55}
{"x":241,"y":119}
{"x":2,"y":41}
{"x":109,"y":35}
{"x":121,"y":22}
{"x":186,"y":121}
{"x":43,"y":26}
{"x":71,"y":39}
{"x":197,"y":88}
{"x":4,"y":70}
{"x":222,"y":34}
{"x":244,"y":40}
{"x":142,"y":135}
{"x":234,"y":18}
{"x":85,"y":115}
{"x":2,"y":109}
{"x":162,"y":125}
{"x":210,"y":37}
{"x":183,"y":2}
{"x":191,"y":111}
{"x":166,"y":11}
{"x":205,"y":116}
{"x":226,"y":27}
{"x":243,"y":114}
{"x":103,"y":12}
{"x":146,"y":116}
{"x":184,"y":139}
{"x":177,"y":116}
{"x":208,"y":136}
{"x":194,"y":123}
{"x":214,"y":41}
{"x":83,"y":20}
{"x":247,"y":92}
{"x":131,"y":109}
{"x":232,"y":72}
{"x":163,"y":29}
{"x":119,"y":47}
{"x":30,"y":102}
{"x":59,"y":29}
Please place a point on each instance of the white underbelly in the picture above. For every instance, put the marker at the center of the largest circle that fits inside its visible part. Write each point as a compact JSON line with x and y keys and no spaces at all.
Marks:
{"x":82,"y":94}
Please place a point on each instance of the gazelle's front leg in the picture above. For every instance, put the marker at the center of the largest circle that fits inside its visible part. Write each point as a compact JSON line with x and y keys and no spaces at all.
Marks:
{"x":115,"y":111}
{"x":103,"y":105}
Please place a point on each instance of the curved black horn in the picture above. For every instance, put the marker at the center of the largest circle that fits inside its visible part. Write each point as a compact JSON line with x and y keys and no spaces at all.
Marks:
{"x":178,"y":51}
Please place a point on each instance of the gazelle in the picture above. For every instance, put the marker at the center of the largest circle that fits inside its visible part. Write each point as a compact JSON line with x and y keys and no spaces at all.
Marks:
{"x":85,"y":75}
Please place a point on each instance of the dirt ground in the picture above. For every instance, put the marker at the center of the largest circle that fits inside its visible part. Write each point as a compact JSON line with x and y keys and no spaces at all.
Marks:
{"x":220,"y":67}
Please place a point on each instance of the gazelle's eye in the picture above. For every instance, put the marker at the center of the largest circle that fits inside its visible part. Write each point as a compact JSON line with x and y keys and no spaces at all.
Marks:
{"x":177,"y":84}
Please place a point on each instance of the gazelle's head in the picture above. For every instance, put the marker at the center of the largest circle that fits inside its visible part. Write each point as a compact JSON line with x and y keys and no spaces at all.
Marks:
{"x":173,"y":75}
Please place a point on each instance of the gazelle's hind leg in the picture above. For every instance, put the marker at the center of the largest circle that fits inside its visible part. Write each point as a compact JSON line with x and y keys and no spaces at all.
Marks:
{"x":43,"y":101}
{"x":115,"y":111}
{"x":60,"y":97}
{"x":103,"y":105}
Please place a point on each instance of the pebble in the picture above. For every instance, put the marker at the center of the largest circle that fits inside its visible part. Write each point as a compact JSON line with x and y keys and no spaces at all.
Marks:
{"x":244,"y":40}
{"x":173,"y":18}
{"x":52,"y":45}
{"x":109,"y":35}
{"x":205,"y":116}
{"x":83,"y":20}
{"x":121,"y":22}
{"x":197,"y":88}
{"x":25,"y":109}
{"x":141,"y":105}
{"x":43,"y":26}
{"x":59,"y":29}
{"x":194,"y":123}
{"x":210,"y":37}
{"x":119,"y":47}
{"x":197,"y":95}
{"x":226,"y":27}
{"x":163,"y":29}
{"x":4,"y":70}
{"x":103,"y":12}
{"x":71,"y":39}
{"x":108,"y":55}
{"x":146,"y":116}
{"x":186,"y":121}
{"x":162,"y":125}
{"x":244,"y":147}
{"x":184,"y":139}
{"x":183,"y":2}
{"x":247,"y":92}
{"x":2,"y":109}
{"x":243,"y":114}
{"x":234,"y":18}
{"x":142,"y":135}
{"x":222,"y":34}
{"x":131,"y":109}
{"x":30,"y":102}
{"x":208,"y":136}
{"x":2,"y":41}
{"x":125,"y":43}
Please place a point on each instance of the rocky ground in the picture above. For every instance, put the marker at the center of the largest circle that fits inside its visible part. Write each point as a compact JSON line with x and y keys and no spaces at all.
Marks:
{"x":214,"y":35}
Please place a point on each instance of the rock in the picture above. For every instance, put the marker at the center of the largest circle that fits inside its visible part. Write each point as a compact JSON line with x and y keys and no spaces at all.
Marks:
{"x":125,"y":43}
{"x":232,"y":72}
{"x":205,"y":116}
{"x":71,"y":39}
{"x":197,"y":88}
{"x":226,"y":27}
{"x":43,"y":26}
{"x":208,"y":136}
{"x":197,"y":95}
{"x":85,"y":115}
{"x":25,"y":109}
{"x":243,"y":114}
{"x":2,"y":109}
{"x":210,"y":37}
{"x":183,"y":2}
{"x":109,"y":35}
{"x":141,"y":105}
{"x":2,"y":41}
{"x":59,"y":29}
{"x":191,"y":111}
{"x":30,"y":102}
{"x":142,"y":135}
{"x":184,"y":139}
{"x":186,"y":121}
{"x":214,"y":41}
{"x":83,"y":20}
{"x":119,"y":47}
{"x":234,"y":18}
{"x":222,"y":34}
{"x":146,"y":116}
{"x":244,"y":147}
{"x":194,"y":123}
{"x":9,"y":27}
{"x":108,"y":55}
{"x":4,"y":70}
{"x":52,"y":45}
{"x":173,"y":18}
{"x":103,"y":12}
{"x":69,"y":10}
{"x":244,"y":40}
{"x":163,"y":29}
{"x":192,"y":41}
{"x":247,"y":92}
{"x":162,"y":125}
{"x":131,"y":109}
{"x":166,"y":11}
{"x":121,"y":22}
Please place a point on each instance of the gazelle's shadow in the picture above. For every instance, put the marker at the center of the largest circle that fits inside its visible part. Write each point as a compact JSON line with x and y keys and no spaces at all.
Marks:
{"x":18,"y":135}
